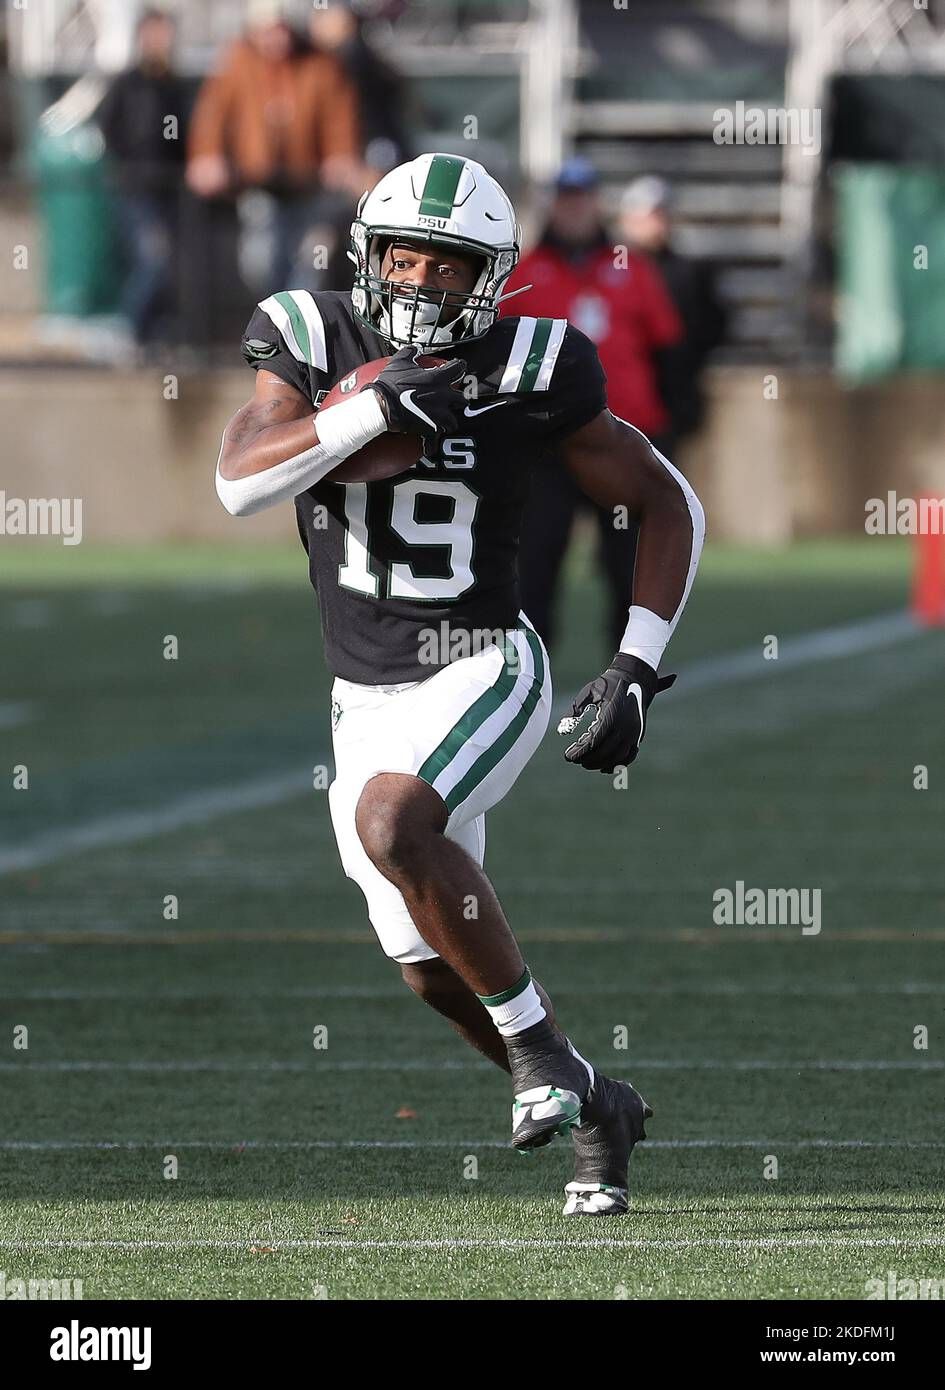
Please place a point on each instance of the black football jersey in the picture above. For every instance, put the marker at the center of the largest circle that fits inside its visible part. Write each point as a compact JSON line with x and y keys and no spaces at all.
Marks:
{"x":432,"y":550}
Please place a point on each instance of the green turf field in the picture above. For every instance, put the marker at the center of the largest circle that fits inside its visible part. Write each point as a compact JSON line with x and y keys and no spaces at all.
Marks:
{"x":377,"y":1167}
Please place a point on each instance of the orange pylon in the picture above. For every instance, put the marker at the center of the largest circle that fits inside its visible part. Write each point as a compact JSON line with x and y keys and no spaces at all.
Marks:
{"x":928,"y":585}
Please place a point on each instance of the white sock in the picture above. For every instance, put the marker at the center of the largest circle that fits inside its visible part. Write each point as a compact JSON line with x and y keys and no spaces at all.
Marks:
{"x":515,"y":1009}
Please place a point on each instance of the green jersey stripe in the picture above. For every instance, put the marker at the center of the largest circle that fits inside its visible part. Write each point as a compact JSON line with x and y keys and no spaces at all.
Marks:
{"x":477,"y":714}
{"x":493,"y":755}
{"x":536,"y":354}
{"x":297,"y":320}
{"x":439,"y":189}
{"x":296,"y":315}
{"x":533,"y":354}
{"x":280,"y":318}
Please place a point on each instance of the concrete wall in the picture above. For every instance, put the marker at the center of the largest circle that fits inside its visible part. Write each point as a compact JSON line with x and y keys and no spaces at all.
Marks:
{"x":806,"y":462}
{"x":142,"y":464}
{"x":767,"y":469}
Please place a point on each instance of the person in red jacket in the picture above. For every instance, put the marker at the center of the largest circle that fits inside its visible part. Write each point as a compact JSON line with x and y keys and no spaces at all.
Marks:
{"x":618,"y":299}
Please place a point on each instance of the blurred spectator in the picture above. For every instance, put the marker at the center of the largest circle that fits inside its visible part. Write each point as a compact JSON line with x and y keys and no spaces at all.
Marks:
{"x":646,"y":223}
{"x":620,"y":302}
{"x":277,"y":125}
{"x":142,"y":120}
{"x":337,"y":28}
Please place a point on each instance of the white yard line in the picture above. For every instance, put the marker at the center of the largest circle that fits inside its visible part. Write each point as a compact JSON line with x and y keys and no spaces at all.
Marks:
{"x":15,"y":713}
{"x":28,"y":612}
{"x":311,"y":1068}
{"x":250,"y":1244}
{"x":126,"y":827}
{"x":195,"y":808}
{"x":907,"y":989}
{"x":464,"y":1145}
{"x":809,"y":649}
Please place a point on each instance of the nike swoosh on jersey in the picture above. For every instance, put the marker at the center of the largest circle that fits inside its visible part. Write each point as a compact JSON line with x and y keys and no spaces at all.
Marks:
{"x":494,"y":405}
{"x":407,"y":401}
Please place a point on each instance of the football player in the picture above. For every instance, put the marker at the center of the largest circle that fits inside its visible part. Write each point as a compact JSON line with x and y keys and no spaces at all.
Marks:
{"x":442,"y":689}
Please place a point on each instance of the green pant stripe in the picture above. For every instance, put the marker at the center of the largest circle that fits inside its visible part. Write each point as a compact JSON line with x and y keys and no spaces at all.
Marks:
{"x":493,"y":755}
{"x":297,"y":320}
{"x":477,"y":714}
{"x":439,"y":188}
{"x":536,"y":354}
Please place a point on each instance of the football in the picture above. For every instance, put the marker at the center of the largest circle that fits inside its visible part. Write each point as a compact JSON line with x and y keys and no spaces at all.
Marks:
{"x":388,"y":454}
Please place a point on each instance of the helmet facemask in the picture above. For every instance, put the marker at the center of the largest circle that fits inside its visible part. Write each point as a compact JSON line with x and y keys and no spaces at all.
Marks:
{"x":414,"y":314}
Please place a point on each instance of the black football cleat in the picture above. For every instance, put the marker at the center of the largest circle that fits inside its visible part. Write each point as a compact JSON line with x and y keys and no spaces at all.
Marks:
{"x":550,"y":1086}
{"x":613,"y":1119}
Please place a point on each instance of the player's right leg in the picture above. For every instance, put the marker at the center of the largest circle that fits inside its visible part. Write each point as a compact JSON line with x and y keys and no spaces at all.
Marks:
{"x":461,"y":738}
{"x":612,"y":1116}
{"x":465,"y":735}
{"x":604,"y":1140}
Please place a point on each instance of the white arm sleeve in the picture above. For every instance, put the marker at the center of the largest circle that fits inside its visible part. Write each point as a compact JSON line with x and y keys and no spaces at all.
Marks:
{"x":647,"y":633}
{"x":342,"y":430}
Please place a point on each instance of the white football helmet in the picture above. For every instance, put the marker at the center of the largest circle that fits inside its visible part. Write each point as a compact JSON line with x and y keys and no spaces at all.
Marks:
{"x":447,"y":201}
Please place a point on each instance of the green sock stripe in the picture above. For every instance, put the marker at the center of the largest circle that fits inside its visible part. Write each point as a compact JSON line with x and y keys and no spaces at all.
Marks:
{"x":492,"y":1000}
{"x":536,"y":354}
{"x":439,"y":188}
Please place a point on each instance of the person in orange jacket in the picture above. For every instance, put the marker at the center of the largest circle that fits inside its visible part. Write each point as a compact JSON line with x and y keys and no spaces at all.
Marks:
{"x":275,"y":118}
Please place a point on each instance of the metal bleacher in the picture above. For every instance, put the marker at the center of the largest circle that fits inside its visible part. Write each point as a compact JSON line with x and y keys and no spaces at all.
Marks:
{"x":728,"y":198}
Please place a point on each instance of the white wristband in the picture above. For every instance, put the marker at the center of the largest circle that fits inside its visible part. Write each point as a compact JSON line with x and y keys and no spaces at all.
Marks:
{"x":646,"y":636}
{"x":347,"y":427}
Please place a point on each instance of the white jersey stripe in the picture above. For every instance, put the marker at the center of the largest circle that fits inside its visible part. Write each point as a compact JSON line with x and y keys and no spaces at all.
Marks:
{"x":280,"y":318}
{"x":558,"y":330}
{"x":519,"y":354}
{"x":316,"y":328}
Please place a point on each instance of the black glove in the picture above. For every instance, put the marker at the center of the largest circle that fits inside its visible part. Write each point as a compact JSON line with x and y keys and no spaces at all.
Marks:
{"x":622,"y":695}
{"x":420,"y":400}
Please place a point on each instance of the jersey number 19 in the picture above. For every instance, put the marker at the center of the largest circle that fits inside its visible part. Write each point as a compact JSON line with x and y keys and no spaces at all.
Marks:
{"x":454,"y":535}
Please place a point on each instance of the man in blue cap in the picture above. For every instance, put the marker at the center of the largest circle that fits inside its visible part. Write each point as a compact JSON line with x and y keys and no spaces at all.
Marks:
{"x":619,"y":301}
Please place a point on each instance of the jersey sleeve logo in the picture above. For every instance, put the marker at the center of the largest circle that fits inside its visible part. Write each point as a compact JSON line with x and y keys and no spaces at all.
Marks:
{"x":259,"y":349}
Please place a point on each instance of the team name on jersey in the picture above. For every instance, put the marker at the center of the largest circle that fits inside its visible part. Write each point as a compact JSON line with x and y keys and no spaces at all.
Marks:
{"x":454,"y":452}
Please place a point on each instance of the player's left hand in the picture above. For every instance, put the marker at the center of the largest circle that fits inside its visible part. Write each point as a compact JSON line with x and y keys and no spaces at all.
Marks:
{"x":622,"y":696}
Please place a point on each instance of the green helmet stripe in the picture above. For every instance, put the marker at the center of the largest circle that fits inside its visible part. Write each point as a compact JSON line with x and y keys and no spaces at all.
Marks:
{"x":536,"y":354}
{"x":439,"y":189}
